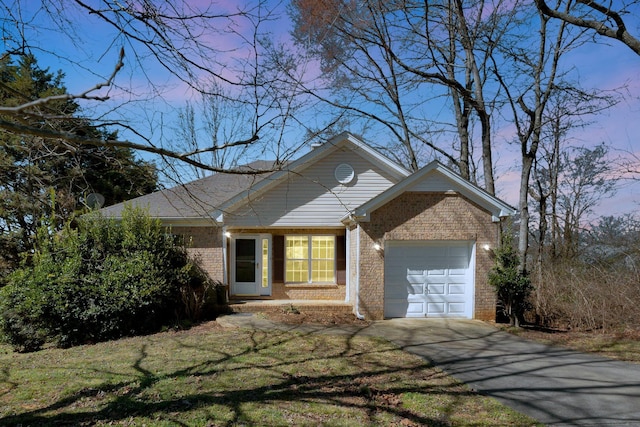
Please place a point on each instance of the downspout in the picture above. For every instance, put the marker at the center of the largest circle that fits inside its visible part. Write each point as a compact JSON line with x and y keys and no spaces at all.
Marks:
{"x":347,"y":239}
{"x":358,"y":315}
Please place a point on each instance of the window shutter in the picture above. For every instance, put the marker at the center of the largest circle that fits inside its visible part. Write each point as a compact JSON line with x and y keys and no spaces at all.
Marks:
{"x":341,"y":260}
{"x":278,"y":259}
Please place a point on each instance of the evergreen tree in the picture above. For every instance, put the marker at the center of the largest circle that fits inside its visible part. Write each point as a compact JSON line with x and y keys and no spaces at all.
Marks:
{"x":512,"y":286}
{"x":49,"y":178}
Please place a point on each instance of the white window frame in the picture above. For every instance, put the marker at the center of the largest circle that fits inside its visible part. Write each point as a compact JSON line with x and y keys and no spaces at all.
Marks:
{"x":310,"y":258}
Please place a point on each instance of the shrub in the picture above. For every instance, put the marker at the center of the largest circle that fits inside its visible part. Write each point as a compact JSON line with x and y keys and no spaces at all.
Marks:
{"x":103,"y":280}
{"x":512,"y":286}
{"x":588,"y":296}
{"x":20,"y":309}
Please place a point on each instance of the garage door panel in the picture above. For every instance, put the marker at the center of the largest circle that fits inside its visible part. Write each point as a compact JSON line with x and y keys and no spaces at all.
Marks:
{"x":427,"y":279}
{"x":415,"y":308}
{"x":457,"y":289}
{"x":436,"y":308}
{"x":456,"y":308}
{"x":436,"y":288}
{"x":414,"y":276}
{"x":458,"y":264}
{"x":446,"y":298}
{"x":402,"y":308}
{"x":417,"y":289}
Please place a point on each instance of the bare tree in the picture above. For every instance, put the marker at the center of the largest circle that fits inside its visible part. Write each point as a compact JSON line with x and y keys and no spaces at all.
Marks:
{"x":388,"y":60}
{"x":586,"y":180}
{"x":537,"y":76}
{"x":608,"y":19}
{"x":170,"y":45}
{"x":569,"y":109}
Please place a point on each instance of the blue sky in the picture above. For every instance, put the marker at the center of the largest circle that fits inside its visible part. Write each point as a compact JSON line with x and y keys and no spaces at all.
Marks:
{"x":91,"y":55}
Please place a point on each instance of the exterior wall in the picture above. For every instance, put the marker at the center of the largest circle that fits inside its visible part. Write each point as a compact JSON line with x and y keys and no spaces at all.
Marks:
{"x":426,"y":216}
{"x":205,"y":245}
{"x":314,"y":198}
{"x":308,"y":292}
{"x":281,"y":290}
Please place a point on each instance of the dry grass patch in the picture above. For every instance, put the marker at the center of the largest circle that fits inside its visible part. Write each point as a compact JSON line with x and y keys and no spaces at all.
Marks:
{"x":623,"y":345}
{"x":213,"y":376}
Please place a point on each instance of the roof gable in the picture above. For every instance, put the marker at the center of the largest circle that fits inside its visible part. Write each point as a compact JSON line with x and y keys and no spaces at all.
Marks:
{"x":314,"y":156}
{"x":447,"y":181}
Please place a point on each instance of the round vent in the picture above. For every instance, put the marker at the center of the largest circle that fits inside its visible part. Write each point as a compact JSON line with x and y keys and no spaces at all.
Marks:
{"x":344,"y":173}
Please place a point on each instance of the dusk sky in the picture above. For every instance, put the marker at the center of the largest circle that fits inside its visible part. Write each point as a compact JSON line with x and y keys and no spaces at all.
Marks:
{"x":608,"y":65}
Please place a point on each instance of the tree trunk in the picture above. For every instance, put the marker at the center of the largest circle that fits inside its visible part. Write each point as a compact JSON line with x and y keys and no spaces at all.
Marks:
{"x":523,"y":205}
{"x":487,"y":158}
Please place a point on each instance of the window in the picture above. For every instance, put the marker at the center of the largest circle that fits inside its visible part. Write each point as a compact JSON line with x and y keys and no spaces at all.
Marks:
{"x":265,"y":263}
{"x":310,"y":259}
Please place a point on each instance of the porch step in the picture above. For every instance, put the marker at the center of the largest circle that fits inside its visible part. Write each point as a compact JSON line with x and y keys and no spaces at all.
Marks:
{"x":303,"y":306}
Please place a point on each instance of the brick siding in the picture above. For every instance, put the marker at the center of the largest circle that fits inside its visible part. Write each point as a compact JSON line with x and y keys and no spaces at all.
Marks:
{"x":204,"y":244}
{"x":426,"y":216}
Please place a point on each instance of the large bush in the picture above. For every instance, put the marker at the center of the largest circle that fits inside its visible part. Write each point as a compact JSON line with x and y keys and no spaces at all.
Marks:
{"x":101,"y":280}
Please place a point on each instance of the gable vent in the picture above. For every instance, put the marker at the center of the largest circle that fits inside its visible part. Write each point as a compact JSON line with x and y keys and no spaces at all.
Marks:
{"x":344,"y":173}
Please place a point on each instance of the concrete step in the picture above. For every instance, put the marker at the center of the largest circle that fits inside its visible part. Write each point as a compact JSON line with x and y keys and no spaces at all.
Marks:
{"x":304,"y":306}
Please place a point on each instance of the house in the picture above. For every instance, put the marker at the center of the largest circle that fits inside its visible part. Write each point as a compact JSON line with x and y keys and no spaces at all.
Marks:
{"x":343,"y":223}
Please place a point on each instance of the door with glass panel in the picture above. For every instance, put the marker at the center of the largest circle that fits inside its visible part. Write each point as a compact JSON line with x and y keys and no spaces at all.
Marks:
{"x":250,"y":265}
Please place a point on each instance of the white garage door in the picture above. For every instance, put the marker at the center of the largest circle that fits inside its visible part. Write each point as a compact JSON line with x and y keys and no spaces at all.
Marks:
{"x":428,"y":279}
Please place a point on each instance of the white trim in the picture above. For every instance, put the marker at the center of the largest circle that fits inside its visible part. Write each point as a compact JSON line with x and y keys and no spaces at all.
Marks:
{"x":497,"y":207}
{"x":269,"y":288}
{"x":369,"y":151}
{"x":347,"y":269}
{"x":472,"y":266}
{"x":310,"y":259}
{"x":258,"y":277}
{"x":226,"y":278}
{"x":357,"y":302}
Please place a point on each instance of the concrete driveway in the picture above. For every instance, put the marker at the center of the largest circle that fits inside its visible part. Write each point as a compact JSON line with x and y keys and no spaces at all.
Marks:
{"x":553,"y":385}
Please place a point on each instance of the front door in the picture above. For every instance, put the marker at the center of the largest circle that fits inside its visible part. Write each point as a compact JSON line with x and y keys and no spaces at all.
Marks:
{"x":250,"y":272}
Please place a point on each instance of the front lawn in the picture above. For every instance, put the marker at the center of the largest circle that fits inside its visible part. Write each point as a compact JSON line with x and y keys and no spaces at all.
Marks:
{"x":215,"y":376}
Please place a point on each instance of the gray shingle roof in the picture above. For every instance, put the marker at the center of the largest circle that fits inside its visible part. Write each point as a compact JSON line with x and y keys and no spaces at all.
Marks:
{"x":196,"y":199}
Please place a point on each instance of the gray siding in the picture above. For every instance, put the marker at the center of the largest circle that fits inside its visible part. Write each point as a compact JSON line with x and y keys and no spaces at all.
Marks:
{"x":434,"y":182}
{"x":314,"y":198}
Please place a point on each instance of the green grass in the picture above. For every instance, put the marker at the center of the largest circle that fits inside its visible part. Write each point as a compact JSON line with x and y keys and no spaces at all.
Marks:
{"x":213,"y":376}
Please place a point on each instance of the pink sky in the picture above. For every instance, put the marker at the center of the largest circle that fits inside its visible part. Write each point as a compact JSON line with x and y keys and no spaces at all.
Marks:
{"x":606,"y":67}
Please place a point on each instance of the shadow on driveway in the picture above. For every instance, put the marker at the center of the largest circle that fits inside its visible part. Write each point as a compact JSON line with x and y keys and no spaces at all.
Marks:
{"x":551,"y":384}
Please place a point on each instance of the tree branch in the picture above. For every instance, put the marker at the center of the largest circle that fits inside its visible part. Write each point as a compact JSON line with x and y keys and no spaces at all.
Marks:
{"x":619,"y":32}
{"x":97,"y":142}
